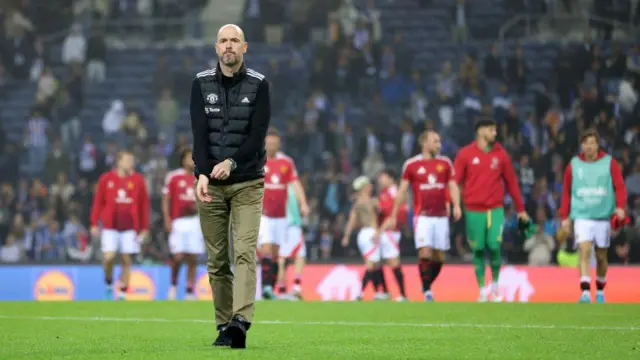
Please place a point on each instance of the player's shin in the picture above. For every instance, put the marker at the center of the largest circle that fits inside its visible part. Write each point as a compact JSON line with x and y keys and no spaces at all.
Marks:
{"x":495,"y":263}
{"x":297,"y":282}
{"x":424,"y":266}
{"x":436,"y":264}
{"x":585,"y":279}
{"x":282,"y":271}
{"x":397,"y":272}
{"x":191,"y":274}
{"x":125,"y":274}
{"x":601,"y":273}
{"x":266,"y":267}
{"x":479,"y":265}
{"x":175,"y":272}
{"x":366,"y":279}
{"x":382,"y":282}
{"x":107,"y":265}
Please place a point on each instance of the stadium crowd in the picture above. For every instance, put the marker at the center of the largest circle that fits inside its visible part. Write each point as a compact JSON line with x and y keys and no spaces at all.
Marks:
{"x":45,"y":197}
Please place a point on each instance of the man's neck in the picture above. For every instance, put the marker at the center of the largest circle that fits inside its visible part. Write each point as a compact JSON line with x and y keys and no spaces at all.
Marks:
{"x":121,"y":173}
{"x":482,"y":144}
{"x":590,"y":157}
{"x":272,"y":156}
{"x":427,"y":155}
{"x":228,"y":71}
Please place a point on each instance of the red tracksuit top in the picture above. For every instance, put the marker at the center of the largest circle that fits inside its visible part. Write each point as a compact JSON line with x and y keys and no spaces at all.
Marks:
{"x":483,"y":176}
{"x":121,"y":203}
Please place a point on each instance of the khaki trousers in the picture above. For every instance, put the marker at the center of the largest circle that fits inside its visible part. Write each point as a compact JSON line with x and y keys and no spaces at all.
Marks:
{"x":238,"y":205}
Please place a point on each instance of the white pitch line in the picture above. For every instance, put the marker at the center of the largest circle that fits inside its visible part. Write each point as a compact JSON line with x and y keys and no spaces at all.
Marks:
{"x":329,"y":323}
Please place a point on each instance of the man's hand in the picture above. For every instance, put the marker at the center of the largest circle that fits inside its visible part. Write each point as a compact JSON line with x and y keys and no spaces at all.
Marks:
{"x":566,"y":225}
{"x":345,"y":241}
{"x":95,"y":231}
{"x":620,"y":213}
{"x":523,"y":216}
{"x":304,"y":210}
{"x":142,"y":236}
{"x":390,"y":223}
{"x":457,"y":213}
{"x":202,"y":189}
{"x":222,"y":170}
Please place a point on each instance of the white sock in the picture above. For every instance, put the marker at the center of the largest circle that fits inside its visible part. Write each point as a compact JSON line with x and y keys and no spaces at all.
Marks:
{"x":494,"y":287}
{"x":586,"y":293}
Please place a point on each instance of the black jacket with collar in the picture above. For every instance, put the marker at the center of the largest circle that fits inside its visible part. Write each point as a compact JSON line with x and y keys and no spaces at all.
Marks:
{"x":229,"y":119}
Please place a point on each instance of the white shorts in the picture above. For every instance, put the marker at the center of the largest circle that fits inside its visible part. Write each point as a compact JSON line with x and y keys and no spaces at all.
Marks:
{"x":596,"y":231}
{"x":186,"y":236}
{"x":124,"y":241}
{"x":387,"y":248}
{"x":293,"y":246}
{"x":432,"y":232}
{"x":272,"y":230}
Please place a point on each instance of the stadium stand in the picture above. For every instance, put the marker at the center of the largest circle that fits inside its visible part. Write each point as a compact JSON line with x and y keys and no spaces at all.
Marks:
{"x":351,"y":104}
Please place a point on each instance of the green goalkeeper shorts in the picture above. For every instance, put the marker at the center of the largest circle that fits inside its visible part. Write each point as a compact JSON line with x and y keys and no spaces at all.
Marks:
{"x":484,"y":228}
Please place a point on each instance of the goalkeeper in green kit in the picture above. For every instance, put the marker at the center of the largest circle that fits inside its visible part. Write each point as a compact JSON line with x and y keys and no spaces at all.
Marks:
{"x":483,"y":169}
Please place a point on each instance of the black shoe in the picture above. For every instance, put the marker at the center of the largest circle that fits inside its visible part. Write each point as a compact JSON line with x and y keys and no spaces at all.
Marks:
{"x":237,"y":332}
{"x":222,"y":339}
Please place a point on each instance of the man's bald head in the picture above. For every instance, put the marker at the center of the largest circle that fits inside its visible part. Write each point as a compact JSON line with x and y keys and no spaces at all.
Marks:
{"x":231,"y":46}
{"x":231,"y":29}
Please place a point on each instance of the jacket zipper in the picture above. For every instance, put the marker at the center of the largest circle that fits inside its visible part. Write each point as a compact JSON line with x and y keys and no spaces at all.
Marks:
{"x":225,"y":122}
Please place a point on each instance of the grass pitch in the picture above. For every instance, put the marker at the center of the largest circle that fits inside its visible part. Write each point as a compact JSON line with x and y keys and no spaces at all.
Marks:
{"x":315,"y":330}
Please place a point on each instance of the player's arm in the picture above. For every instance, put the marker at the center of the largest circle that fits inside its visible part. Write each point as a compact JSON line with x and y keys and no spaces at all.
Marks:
{"x":511,"y":181}
{"x":460,"y":168}
{"x":199,"y":127}
{"x":454,"y":197}
{"x":351,"y":223}
{"x":298,"y":190}
{"x":565,"y":203}
{"x":619,"y":189}
{"x":144,"y":207}
{"x":98,"y":205}
{"x":400,"y":199}
{"x":300,"y":196}
{"x":166,"y":203}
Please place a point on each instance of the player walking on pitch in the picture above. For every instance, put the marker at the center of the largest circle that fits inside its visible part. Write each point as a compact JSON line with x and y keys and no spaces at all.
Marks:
{"x":280,"y":171}
{"x":292,"y":249}
{"x":363,"y":215}
{"x":121,"y":208}
{"x":430,"y":175}
{"x":181,"y":221}
{"x":593,"y":191}
{"x":481,"y":168}
{"x":390,"y":238}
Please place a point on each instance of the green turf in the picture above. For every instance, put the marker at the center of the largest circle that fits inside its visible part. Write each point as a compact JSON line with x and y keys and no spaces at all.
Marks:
{"x":304,"y":330}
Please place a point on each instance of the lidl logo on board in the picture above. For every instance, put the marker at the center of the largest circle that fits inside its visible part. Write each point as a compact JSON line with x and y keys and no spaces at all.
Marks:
{"x":141,"y":286}
{"x":53,"y":286}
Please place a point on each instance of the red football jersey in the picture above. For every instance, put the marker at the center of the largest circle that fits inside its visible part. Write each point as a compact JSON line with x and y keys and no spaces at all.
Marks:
{"x":386,"y":199}
{"x":179,"y":186}
{"x":121,"y":203}
{"x":278,"y":173}
{"x":429,"y":180}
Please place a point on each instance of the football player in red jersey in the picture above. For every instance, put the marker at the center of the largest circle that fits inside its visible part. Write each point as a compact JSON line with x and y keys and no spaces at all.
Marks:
{"x":430,"y":176}
{"x":280,"y":171}
{"x":182,"y":223}
{"x":390,"y":239}
{"x":121,"y":208}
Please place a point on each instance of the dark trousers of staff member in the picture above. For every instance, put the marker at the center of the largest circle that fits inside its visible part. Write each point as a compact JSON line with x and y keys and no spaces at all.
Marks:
{"x":238,"y":205}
